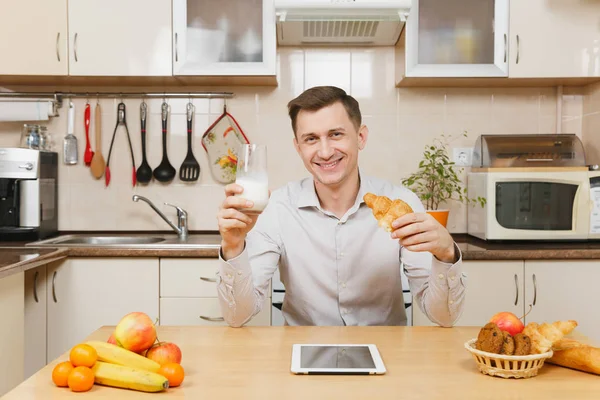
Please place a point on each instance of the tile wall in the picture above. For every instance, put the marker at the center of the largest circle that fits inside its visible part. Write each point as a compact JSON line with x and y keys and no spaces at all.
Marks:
{"x":401,"y":122}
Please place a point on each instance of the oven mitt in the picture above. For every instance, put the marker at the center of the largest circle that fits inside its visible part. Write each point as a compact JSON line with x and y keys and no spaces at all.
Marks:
{"x":222,"y":140}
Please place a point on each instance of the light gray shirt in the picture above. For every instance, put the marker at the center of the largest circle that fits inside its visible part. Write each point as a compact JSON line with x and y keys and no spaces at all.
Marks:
{"x":342,"y":271}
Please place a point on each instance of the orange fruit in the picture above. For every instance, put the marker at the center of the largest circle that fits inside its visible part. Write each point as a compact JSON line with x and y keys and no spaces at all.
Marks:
{"x":83,"y":355}
{"x":60,"y":373}
{"x":81,"y":379}
{"x":173,"y":372}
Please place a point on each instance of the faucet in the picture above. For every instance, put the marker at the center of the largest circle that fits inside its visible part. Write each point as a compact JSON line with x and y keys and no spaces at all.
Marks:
{"x":181,"y":228}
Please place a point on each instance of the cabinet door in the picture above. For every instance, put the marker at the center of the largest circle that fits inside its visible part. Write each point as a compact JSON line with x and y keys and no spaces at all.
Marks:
{"x":35,"y":320}
{"x":34,"y":37}
{"x":457,"y":38}
{"x":492,"y":287}
{"x":120,"y":38}
{"x":224,"y":37}
{"x":87,"y":293}
{"x":11,"y":331}
{"x":563,"y":290}
{"x":554,"y":39}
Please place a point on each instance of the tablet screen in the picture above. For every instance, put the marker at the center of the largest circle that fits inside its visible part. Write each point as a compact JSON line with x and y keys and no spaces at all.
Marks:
{"x":336,"y":357}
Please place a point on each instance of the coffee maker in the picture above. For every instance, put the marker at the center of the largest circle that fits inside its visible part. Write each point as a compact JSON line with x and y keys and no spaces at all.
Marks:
{"x":28,"y":194}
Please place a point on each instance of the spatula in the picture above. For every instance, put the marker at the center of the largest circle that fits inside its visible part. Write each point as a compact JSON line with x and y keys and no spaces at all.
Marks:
{"x":98,"y":164}
{"x":190,"y":169}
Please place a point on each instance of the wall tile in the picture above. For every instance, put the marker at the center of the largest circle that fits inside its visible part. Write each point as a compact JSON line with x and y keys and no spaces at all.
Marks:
{"x":329,"y":67}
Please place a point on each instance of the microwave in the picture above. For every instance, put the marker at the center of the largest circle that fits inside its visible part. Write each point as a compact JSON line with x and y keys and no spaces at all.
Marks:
{"x":549,"y":204}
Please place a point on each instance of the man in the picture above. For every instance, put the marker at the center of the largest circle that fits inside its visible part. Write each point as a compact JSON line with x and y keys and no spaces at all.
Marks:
{"x":337,"y":265}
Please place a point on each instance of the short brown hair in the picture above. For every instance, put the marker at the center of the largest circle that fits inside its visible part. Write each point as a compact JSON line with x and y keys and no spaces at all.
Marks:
{"x":317,"y":97}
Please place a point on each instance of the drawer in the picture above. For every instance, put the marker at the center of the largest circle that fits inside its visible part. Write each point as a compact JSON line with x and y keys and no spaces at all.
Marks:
{"x":203,"y":311}
{"x":189,"y":277}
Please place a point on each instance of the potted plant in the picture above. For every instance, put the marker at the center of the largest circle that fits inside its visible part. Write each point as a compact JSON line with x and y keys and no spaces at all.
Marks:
{"x":436,"y":181}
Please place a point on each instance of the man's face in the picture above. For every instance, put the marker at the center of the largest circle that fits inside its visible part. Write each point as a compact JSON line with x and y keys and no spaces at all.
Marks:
{"x":328,"y":143}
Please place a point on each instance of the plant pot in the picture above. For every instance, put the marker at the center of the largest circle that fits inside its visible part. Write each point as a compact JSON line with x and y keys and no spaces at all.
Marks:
{"x":440,"y":215}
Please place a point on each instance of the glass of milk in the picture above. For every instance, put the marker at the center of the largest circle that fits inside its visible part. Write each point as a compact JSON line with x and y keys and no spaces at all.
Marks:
{"x":251,"y":174}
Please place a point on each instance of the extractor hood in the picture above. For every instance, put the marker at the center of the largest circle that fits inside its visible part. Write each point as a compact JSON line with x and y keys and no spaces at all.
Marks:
{"x":340,"y":22}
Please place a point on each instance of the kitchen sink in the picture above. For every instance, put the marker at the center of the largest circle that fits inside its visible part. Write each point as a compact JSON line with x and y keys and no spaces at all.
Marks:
{"x":133,"y":241}
{"x":108,"y":240}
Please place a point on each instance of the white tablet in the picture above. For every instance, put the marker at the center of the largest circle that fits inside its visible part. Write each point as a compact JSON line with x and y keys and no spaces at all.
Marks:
{"x":336,"y":359}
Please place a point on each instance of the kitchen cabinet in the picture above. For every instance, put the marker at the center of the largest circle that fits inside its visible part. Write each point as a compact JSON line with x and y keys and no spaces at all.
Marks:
{"x":34,"y":37}
{"x":35,"y":320}
{"x":120,"y":38}
{"x":224,"y":38}
{"x":188,"y":294}
{"x":492,"y":286}
{"x":12,"y":310}
{"x":563,"y":290}
{"x":87,"y":293}
{"x":554,"y":39}
{"x":457,"y":38}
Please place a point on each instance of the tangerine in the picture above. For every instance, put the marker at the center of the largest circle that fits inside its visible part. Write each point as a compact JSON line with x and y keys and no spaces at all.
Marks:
{"x":83,"y":355}
{"x":173,"y":372}
{"x":81,"y":379}
{"x":60,"y":373}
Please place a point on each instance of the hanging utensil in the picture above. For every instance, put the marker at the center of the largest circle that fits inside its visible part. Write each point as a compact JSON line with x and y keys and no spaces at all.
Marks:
{"x":121,"y":120}
{"x":97,"y":165}
{"x":165,"y":171}
{"x":88,"y":154}
{"x":190,"y":169}
{"x":144,"y":172}
{"x":70,"y":154}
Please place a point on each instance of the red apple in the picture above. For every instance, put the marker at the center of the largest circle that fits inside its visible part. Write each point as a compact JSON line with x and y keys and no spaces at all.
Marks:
{"x":164,"y":353}
{"x":135,"y":332}
{"x":508,"y":322}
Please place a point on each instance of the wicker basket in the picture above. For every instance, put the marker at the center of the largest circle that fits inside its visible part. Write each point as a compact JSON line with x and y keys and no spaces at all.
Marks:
{"x":507,"y":366}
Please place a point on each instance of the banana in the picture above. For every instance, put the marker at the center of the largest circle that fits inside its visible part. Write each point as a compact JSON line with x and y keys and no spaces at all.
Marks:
{"x":113,"y":354}
{"x":124,"y":377}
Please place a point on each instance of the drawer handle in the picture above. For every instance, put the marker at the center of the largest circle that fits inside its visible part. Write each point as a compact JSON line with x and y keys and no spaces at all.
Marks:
{"x":208,"y":279}
{"x":212,"y":319}
{"x":35,"y":278}
{"x":517,"y":289}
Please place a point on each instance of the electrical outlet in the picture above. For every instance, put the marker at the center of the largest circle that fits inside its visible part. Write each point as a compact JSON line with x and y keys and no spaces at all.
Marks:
{"x":463,"y":156}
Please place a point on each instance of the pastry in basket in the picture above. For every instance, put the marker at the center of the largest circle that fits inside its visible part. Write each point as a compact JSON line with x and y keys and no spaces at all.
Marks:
{"x":522,"y":344}
{"x":545,"y":335}
{"x":386,"y":210}
{"x":508,"y":344}
{"x":490,"y":338}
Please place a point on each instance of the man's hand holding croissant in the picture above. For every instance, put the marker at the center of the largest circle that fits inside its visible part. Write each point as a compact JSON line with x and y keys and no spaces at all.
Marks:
{"x":422,"y":232}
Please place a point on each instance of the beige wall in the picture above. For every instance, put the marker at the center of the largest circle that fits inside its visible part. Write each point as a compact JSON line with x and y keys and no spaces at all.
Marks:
{"x":591,"y":123}
{"x":401,"y":122}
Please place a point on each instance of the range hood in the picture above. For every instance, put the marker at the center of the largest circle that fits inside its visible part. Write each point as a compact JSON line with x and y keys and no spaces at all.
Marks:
{"x":340,"y":22}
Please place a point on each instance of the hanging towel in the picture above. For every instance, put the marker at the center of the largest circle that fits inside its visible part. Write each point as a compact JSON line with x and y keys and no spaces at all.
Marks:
{"x":26,"y":110}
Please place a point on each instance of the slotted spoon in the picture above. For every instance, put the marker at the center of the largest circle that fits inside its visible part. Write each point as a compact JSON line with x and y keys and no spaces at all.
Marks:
{"x":190,"y":169}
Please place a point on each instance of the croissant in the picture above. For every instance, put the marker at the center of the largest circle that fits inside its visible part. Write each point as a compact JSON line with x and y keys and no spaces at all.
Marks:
{"x":385,"y":210}
{"x":546,"y":336}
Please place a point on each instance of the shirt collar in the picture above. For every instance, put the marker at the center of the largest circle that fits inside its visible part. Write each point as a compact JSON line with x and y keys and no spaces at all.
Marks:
{"x":308,"y":195}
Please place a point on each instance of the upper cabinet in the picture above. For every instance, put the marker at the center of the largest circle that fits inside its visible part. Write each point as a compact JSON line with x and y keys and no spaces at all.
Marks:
{"x":224,"y":37}
{"x":34,"y":37}
{"x":550,"y":39}
{"x":120,"y":38}
{"x":457,"y":38}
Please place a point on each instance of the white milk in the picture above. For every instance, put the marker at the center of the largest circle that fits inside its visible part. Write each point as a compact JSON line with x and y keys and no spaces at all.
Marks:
{"x":256,"y":191}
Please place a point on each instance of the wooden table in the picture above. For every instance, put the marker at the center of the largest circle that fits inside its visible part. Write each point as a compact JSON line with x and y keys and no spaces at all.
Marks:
{"x":254,"y":363}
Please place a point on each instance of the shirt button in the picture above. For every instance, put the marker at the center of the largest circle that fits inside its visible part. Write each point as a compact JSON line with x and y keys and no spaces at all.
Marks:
{"x":341,"y":254}
{"x":441,"y":276}
{"x":239,"y":272}
{"x":344,"y":285}
{"x":229,"y":276}
{"x":452,"y":278}
{"x":451,"y":302}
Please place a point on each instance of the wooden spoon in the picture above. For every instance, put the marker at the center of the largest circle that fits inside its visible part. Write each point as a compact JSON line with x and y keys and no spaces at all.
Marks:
{"x":97,"y":165}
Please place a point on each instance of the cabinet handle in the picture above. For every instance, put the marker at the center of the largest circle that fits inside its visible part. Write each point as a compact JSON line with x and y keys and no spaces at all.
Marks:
{"x":534,"y":289}
{"x":35,"y":296}
{"x":516,"y":289}
{"x":212,"y":319}
{"x":505,"y":40}
{"x":176,"y":52}
{"x":518,"y":48}
{"x":207,"y":279}
{"x":57,"y":49}
{"x":75,"y":47}
{"x":54,"y":287}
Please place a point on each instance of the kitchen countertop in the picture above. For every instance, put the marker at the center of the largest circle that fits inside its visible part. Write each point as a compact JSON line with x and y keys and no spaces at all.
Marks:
{"x":254,"y":363}
{"x":19,"y":256}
